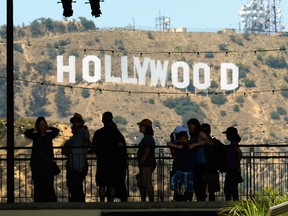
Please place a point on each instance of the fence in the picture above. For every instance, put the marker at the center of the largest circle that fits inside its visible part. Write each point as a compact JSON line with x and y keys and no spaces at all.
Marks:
{"x":262,"y":166}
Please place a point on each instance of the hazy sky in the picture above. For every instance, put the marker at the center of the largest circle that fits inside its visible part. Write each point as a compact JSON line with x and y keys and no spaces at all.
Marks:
{"x":204,"y":14}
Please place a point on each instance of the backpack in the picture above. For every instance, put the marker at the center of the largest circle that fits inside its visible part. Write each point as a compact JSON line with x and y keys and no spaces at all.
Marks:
{"x":216,"y":155}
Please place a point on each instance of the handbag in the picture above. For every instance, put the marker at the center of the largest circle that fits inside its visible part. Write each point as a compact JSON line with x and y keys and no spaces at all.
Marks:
{"x":56,"y":169}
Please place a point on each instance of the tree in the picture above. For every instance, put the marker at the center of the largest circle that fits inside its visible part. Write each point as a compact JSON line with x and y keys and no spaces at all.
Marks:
{"x":218,"y":99}
{"x":60,"y":27}
{"x":72,"y":27}
{"x":87,"y":24}
{"x":48,"y":23}
{"x":44,"y":67}
{"x":38,"y":102}
{"x":35,"y":29}
{"x":3,"y":31}
{"x":63,"y":102}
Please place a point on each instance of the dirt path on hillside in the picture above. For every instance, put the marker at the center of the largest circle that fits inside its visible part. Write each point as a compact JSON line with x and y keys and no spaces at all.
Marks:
{"x":27,"y":56}
{"x":257,"y":112}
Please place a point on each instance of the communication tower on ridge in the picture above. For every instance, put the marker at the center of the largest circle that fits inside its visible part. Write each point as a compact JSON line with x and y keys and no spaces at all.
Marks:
{"x":163,"y":23}
{"x":262,"y":16}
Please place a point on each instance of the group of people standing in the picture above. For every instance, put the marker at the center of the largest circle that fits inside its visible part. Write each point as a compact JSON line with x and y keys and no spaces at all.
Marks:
{"x":190,"y":173}
{"x":197,"y":160}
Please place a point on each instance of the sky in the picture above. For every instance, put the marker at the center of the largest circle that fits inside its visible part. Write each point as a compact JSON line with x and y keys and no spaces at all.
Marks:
{"x":192,"y":14}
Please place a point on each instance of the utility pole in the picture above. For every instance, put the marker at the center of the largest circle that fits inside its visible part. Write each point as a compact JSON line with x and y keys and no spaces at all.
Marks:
{"x":10,"y":103}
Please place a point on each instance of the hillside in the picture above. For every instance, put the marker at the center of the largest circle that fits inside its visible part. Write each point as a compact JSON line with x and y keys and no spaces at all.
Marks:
{"x":258,"y":107}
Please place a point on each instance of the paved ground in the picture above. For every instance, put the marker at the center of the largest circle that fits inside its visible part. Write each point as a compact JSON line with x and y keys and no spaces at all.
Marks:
{"x":112,"y":209}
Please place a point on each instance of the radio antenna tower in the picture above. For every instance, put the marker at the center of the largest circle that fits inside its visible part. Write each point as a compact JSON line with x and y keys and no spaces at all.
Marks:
{"x":262,"y":16}
{"x":162,"y":23}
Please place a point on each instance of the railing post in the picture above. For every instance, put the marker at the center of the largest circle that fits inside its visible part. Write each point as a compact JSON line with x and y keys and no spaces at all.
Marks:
{"x":160,"y":175}
{"x":251,"y":173}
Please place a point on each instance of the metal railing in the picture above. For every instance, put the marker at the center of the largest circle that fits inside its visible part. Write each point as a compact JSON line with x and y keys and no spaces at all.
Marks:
{"x":261,"y":167}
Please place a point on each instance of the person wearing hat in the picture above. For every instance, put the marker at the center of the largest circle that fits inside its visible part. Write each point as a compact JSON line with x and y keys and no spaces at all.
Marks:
{"x":111,"y":152}
{"x":183,"y":165}
{"x":146,"y":160}
{"x":77,"y":164}
{"x":233,"y":157}
{"x":42,"y":159}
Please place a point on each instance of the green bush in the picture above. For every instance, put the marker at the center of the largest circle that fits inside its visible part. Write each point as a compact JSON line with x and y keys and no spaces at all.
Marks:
{"x":257,"y":207}
{"x":150,"y":35}
{"x":223,"y":113}
{"x":259,"y":57}
{"x":249,"y":83}
{"x":274,"y":115}
{"x":209,"y":55}
{"x":236,"y":108}
{"x":85,"y":93}
{"x":276,"y":62}
{"x":240,"y":99}
{"x":97,"y":39}
{"x":87,"y":24}
{"x":286,"y":77}
{"x":157,"y":124}
{"x":73,"y":53}
{"x":183,"y":105}
{"x":281,"y":111}
{"x":45,"y":67}
{"x":236,"y":40}
{"x":151,"y":101}
{"x":223,"y":47}
{"x":218,"y":99}
{"x":72,"y":27}
{"x":18,"y":47}
{"x":120,"y":45}
{"x":120,"y":120}
{"x":214,"y":84}
{"x":284,"y":93}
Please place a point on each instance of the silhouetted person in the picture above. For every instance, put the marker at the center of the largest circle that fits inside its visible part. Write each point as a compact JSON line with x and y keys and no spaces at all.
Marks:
{"x":77,"y":165}
{"x":213,"y":182}
{"x":146,"y":160}
{"x":111,"y":152}
{"x":183,"y":165}
{"x":42,"y":159}
{"x":199,"y":140}
{"x":233,"y":157}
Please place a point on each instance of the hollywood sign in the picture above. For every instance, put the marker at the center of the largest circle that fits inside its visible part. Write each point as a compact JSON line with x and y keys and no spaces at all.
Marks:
{"x":180,"y":72}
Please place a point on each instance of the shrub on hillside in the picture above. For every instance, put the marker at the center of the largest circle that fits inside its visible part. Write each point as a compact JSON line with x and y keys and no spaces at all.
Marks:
{"x":223,"y":47}
{"x":85,"y":93}
{"x":72,"y":27}
{"x":182,"y":105}
{"x":249,"y":83}
{"x":281,"y":110}
{"x":284,"y":93}
{"x":236,"y":40}
{"x":236,"y":108}
{"x":150,"y":35}
{"x":276,"y":62}
{"x":223,"y":113}
{"x":151,"y":101}
{"x":218,"y":99}
{"x":44,"y":67}
{"x":209,"y":55}
{"x":240,"y":99}
{"x":63,"y":102}
{"x":120,"y":120}
{"x":18,"y":47}
{"x":286,"y":77}
{"x":87,"y":24}
{"x":157,"y":124}
{"x":274,"y":115}
{"x":119,"y":45}
{"x":73,"y":53}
